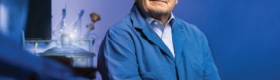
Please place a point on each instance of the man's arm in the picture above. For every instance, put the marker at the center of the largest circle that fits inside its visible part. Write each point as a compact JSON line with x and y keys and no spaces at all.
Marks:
{"x":210,"y":72}
{"x":117,"y":59}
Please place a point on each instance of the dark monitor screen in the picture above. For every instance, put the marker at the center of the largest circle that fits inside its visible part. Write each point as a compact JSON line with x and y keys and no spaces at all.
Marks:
{"x":39,"y":20}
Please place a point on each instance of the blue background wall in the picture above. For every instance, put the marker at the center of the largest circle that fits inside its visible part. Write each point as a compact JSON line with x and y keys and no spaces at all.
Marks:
{"x":243,"y":34}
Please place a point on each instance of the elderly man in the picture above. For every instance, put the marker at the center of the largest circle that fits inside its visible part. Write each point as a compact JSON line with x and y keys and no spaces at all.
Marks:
{"x":151,"y":44}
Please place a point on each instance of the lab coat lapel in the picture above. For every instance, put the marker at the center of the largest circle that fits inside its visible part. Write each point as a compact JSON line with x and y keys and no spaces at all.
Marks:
{"x":178,"y":38}
{"x":154,"y":38}
{"x":139,"y":23}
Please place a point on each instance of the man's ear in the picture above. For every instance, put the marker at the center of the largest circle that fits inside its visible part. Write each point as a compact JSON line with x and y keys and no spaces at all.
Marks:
{"x":135,"y":0}
{"x":176,"y":2}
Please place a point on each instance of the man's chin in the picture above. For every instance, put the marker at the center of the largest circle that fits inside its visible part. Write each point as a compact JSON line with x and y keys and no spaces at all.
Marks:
{"x":159,"y":12}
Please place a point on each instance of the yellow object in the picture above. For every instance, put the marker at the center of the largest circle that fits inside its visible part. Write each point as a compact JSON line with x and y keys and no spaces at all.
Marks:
{"x":36,"y":45}
{"x":75,"y":59}
{"x":83,"y":59}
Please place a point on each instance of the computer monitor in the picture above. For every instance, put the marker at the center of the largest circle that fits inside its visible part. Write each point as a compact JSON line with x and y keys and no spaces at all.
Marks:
{"x":39,"y":20}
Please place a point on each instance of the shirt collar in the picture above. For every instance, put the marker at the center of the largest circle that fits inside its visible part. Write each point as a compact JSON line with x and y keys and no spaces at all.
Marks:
{"x":170,"y":21}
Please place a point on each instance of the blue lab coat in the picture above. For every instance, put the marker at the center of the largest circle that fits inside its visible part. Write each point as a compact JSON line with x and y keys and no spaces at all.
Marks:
{"x":131,"y":50}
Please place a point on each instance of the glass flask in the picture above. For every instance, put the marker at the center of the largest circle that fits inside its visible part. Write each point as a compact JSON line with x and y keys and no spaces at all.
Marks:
{"x":76,"y":26}
{"x":60,"y":27}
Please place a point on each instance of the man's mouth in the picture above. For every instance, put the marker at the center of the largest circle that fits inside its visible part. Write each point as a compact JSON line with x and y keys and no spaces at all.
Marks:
{"x":164,"y":1}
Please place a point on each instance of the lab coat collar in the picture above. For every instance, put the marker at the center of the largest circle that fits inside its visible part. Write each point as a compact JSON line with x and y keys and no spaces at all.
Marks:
{"x":137,"y":19}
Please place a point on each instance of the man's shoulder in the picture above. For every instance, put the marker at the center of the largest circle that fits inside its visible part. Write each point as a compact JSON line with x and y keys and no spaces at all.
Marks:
{"x":122,"y":28}
{"x":190,"y":27}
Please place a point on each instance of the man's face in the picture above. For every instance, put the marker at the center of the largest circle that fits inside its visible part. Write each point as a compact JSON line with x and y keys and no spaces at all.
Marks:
{"x":157,"y":6}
